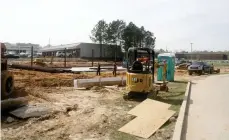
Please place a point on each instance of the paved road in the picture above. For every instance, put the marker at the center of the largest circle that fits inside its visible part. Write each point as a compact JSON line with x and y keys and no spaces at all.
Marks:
{"x":208,"y":117}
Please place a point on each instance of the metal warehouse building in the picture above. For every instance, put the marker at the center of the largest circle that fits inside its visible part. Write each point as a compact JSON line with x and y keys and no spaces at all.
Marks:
{"x":22,"y":48}
{"x":84,"y":50}
{"x":202,"y":56}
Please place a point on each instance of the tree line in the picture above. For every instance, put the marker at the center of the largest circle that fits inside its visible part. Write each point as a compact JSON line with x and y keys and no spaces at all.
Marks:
{"x":117,"y":32}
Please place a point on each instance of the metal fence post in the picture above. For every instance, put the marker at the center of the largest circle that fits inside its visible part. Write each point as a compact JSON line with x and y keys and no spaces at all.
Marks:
{"x":65,"y":57}
{"x":92,"y":54}
{"x":115,"y":53}
{"x":31,"y":56}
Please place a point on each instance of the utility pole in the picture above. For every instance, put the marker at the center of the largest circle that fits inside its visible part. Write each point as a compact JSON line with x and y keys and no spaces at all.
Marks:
{"x":31,"y":56}
{"x":65,"y":57}
{"x":49,"y":42}
{"x":19,"y":49}
{"x":191,"y":51}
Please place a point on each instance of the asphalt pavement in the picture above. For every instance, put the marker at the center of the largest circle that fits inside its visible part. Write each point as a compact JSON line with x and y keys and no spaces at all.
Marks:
{"x":208,"y":116}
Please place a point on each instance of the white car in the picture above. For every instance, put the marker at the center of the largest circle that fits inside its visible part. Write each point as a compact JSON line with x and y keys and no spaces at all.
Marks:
{"x":62,"y":54}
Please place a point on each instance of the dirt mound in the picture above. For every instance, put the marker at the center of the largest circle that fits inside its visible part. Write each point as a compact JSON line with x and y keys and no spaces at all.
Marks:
{"x":43,"y":79}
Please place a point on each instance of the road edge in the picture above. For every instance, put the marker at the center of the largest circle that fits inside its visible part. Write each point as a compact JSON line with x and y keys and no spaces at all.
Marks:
{"x":179,"y":127}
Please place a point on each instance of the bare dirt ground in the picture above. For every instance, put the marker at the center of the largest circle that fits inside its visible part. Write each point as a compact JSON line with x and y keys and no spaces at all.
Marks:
{"x":82,"y":114}
{"x":59,"y":62}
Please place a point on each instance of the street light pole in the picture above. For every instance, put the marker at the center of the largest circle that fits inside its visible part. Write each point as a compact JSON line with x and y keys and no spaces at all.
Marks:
{"x":191,"y":51}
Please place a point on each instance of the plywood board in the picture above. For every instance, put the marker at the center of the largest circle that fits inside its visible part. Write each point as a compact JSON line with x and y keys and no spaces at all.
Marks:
{"x":149,"y":107}
{"x":144,"y":126}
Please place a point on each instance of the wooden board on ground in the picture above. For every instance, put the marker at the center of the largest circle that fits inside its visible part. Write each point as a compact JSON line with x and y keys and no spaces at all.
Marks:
{"x":149,"y":107}
{"x":144,"y":126}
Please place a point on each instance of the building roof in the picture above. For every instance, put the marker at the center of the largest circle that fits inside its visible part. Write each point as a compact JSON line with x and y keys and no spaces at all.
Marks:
{"x":167,"y":54}
{"x":60,"y":47}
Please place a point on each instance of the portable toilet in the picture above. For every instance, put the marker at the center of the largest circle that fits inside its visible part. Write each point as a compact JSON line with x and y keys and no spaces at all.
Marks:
{"x":170,"y":60}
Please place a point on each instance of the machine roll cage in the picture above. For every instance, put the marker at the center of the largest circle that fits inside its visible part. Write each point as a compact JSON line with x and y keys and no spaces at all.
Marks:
{"x":135,"y":66}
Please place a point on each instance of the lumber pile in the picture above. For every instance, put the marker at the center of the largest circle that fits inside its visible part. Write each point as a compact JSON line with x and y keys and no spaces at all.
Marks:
{"x":108,"y":81}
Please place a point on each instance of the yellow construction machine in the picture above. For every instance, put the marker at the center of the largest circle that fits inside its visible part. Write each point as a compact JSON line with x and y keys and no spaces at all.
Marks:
{"x":40,"y":62}
{"x":140,"y":72}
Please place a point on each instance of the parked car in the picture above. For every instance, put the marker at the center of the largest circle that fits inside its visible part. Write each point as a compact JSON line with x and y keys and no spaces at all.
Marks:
{"x":62,"y":54}
{"x":34,"y":56}
{"x":11,"y":56}
{"x":23,"y":55}
{"x":200,"y":68}
{"x":183,"y":66}
{"x":179,"y":62}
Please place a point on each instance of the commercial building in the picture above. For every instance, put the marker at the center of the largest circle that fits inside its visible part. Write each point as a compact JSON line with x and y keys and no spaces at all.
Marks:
{"x":202,"y":56}
{"x":22,"y":48}
{"x":85,"y":50}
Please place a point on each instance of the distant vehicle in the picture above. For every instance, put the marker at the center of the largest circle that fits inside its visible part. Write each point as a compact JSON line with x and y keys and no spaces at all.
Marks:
{"x":34,"y":56}
{"x":62,"y":54}
{"x":39,"y":54}
{"x":23,"y":55}
{"x":178,"y":62}
{"x":200,"y":68}
{"x":11,"y":56}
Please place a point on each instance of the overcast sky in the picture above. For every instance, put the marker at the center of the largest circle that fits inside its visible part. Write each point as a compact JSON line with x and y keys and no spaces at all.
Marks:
{"x":175,"y":23}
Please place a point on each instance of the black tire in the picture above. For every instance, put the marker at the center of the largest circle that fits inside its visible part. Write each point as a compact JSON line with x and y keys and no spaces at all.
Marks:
{"x":152,"y":94}
{"x":127,"y":96}
{"x":190,"y":73}
{"x":7,"y":86}
{"x":211,"y":71}
{"x":167,"y":89}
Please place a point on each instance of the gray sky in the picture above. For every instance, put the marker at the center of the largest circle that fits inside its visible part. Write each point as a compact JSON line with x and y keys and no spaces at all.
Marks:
{"x":175,"y":23}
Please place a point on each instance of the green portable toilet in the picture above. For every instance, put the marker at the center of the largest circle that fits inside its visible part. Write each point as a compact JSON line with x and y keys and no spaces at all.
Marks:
{"x":170,"y":60}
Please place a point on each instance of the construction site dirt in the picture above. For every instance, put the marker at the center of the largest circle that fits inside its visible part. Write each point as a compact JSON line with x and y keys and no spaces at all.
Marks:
{"x":97,"y":113}
{"x":59,"y":62}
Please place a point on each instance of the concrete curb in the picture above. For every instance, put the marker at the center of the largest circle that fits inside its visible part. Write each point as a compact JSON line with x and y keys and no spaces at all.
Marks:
{"x":179,"y":127}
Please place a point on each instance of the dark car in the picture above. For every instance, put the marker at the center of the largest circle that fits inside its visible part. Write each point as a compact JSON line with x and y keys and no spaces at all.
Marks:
{"x":178,"y":62}
{"x":200,"y":68}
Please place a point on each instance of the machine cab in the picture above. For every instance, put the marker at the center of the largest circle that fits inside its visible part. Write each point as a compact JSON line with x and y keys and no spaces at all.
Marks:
{"x":139,"y":60}
{"x":140,"y":70}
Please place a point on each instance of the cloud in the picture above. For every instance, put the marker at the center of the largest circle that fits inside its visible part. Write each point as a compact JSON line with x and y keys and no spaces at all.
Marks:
{"x":175,"y":23}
